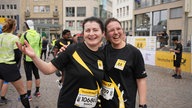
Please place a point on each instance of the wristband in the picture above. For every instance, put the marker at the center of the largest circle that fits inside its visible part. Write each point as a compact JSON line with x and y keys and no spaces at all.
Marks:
{"x":143,"y":106}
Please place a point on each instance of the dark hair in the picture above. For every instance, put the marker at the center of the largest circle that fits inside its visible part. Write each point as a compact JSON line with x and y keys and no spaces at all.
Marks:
{"x":9,"y":24}
{"x":94,"y":19}
{"x":175,"y":38}
{"x":65,"y":32}
{"x":110,"y":20}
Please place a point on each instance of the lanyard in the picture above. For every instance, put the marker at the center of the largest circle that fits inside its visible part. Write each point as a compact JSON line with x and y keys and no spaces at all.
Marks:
{"x":80,"y":61}
{"x":120,"y":96}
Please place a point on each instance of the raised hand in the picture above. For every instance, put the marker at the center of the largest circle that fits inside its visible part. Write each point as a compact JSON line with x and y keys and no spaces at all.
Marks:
{"x":26,"y":49}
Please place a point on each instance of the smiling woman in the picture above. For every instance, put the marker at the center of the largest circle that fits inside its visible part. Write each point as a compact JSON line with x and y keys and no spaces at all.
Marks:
{"x":83,"y":67}
{"x":124,"y":65}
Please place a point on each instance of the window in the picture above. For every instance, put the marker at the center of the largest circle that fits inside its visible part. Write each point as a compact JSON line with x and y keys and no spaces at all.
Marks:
{"x":42,"y":21}
{"x":81,"y":11}
{"x":166,"y":1}
{"x":47,"y":8}
{"x":79,"y":24}
{"x":70,"y":24}
{"x":42,"y":9}
{"x":7,"y":6}
{"x":15,"y":6}
{"x":127,"y":10}
{"x":11,"y":6}
{"x":49,"y":21}
{"x":159,"y":16}
{"x":120,"y":12}
{"x":156,"y":17}
{"x":176,"y":12}
{"x":123,"y":11}
{"x":117,"y":12}
{"x":3,"y":6}
{"x":36,"y":9}
{"x":70,"y":11}
{"x":56,"y":21}
{"x":156,"y":2}
{"x":56,"y":8}
{"x":142,"y":24}
{"x":35,"y":21}
{"x":96,"y":12}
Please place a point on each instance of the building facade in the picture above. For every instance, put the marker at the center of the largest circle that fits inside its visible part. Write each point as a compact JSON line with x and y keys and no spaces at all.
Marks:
{"x":52,"y":16}
{"x":75,"y":11}
{"x":46,"y":14}
{"x":11,"y":9}
{"x":123,"y":11}
{"x":152,"y":17}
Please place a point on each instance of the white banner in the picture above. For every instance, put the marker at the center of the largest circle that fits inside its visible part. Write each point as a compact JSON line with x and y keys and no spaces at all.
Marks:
{"x":143,"y":42}
{"x":149,"y":57}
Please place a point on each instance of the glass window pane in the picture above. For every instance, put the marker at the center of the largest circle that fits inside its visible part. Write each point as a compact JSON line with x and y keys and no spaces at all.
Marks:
{"x":70,"y":11}
{"x":164,"y":15}
{"x":156,"y":2}
{"x":47,"y":8}
{"x":70,"y":24}
{"x":156,"y":17}
{"x":96,"y":12}
{"x":176,"y":13}
{"x":81,"y":11}
{"x":79,"y":24}
{"x":42,"y":9}
{"x":36,"y":9}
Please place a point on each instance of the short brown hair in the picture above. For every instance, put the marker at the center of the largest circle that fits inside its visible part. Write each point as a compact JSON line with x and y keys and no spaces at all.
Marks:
{"x":110,"y":20}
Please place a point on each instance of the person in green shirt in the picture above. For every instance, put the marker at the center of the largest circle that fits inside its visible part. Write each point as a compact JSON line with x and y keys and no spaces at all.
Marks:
{"x":34,"y":39}
{"x":9,"y":57}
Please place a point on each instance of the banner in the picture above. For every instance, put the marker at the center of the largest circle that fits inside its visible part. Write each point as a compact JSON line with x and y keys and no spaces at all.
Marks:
{"x":143,"y":42}
{"x":165,"y":59}
{"x":149,"y":57}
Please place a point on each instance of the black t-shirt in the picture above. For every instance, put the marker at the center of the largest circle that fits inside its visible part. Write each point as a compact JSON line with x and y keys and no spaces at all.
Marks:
{"x":75,"y":75}
{"x":179,"y":48}
{"x":124,"y":66}
{"x":44,"y":45}
{"x":64,"y":41}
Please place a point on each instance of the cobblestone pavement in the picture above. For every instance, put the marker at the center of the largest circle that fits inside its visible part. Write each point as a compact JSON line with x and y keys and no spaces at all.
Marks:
{"x":163,"y":90}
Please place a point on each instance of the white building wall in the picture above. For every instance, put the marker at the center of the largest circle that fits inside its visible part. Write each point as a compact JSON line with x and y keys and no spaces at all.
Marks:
{"x":89,"y":4}
{"x":123,"y":11}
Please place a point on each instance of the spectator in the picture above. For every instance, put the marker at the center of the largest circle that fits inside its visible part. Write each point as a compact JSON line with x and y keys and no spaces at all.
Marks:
{"x":177,"y":57}
{"x":44,"y":48}
{"x":9,"y":57}
{"x":34,"y":40}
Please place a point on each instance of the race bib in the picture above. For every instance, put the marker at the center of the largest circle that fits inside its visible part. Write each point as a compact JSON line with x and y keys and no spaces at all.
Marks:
{"x":120,"y":64}
{"x":107,"y":90}
{"x":86,"y":98}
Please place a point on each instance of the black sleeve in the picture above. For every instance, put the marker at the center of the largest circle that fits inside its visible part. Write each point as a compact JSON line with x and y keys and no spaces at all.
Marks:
{"x":139,"y":65}
{"x":18,"y":55}
{"x":63,"y":58}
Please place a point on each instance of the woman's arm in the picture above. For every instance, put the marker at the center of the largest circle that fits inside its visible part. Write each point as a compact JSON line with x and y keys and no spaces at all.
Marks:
{"x":142,"y":90}
{"x":44,"y":67}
